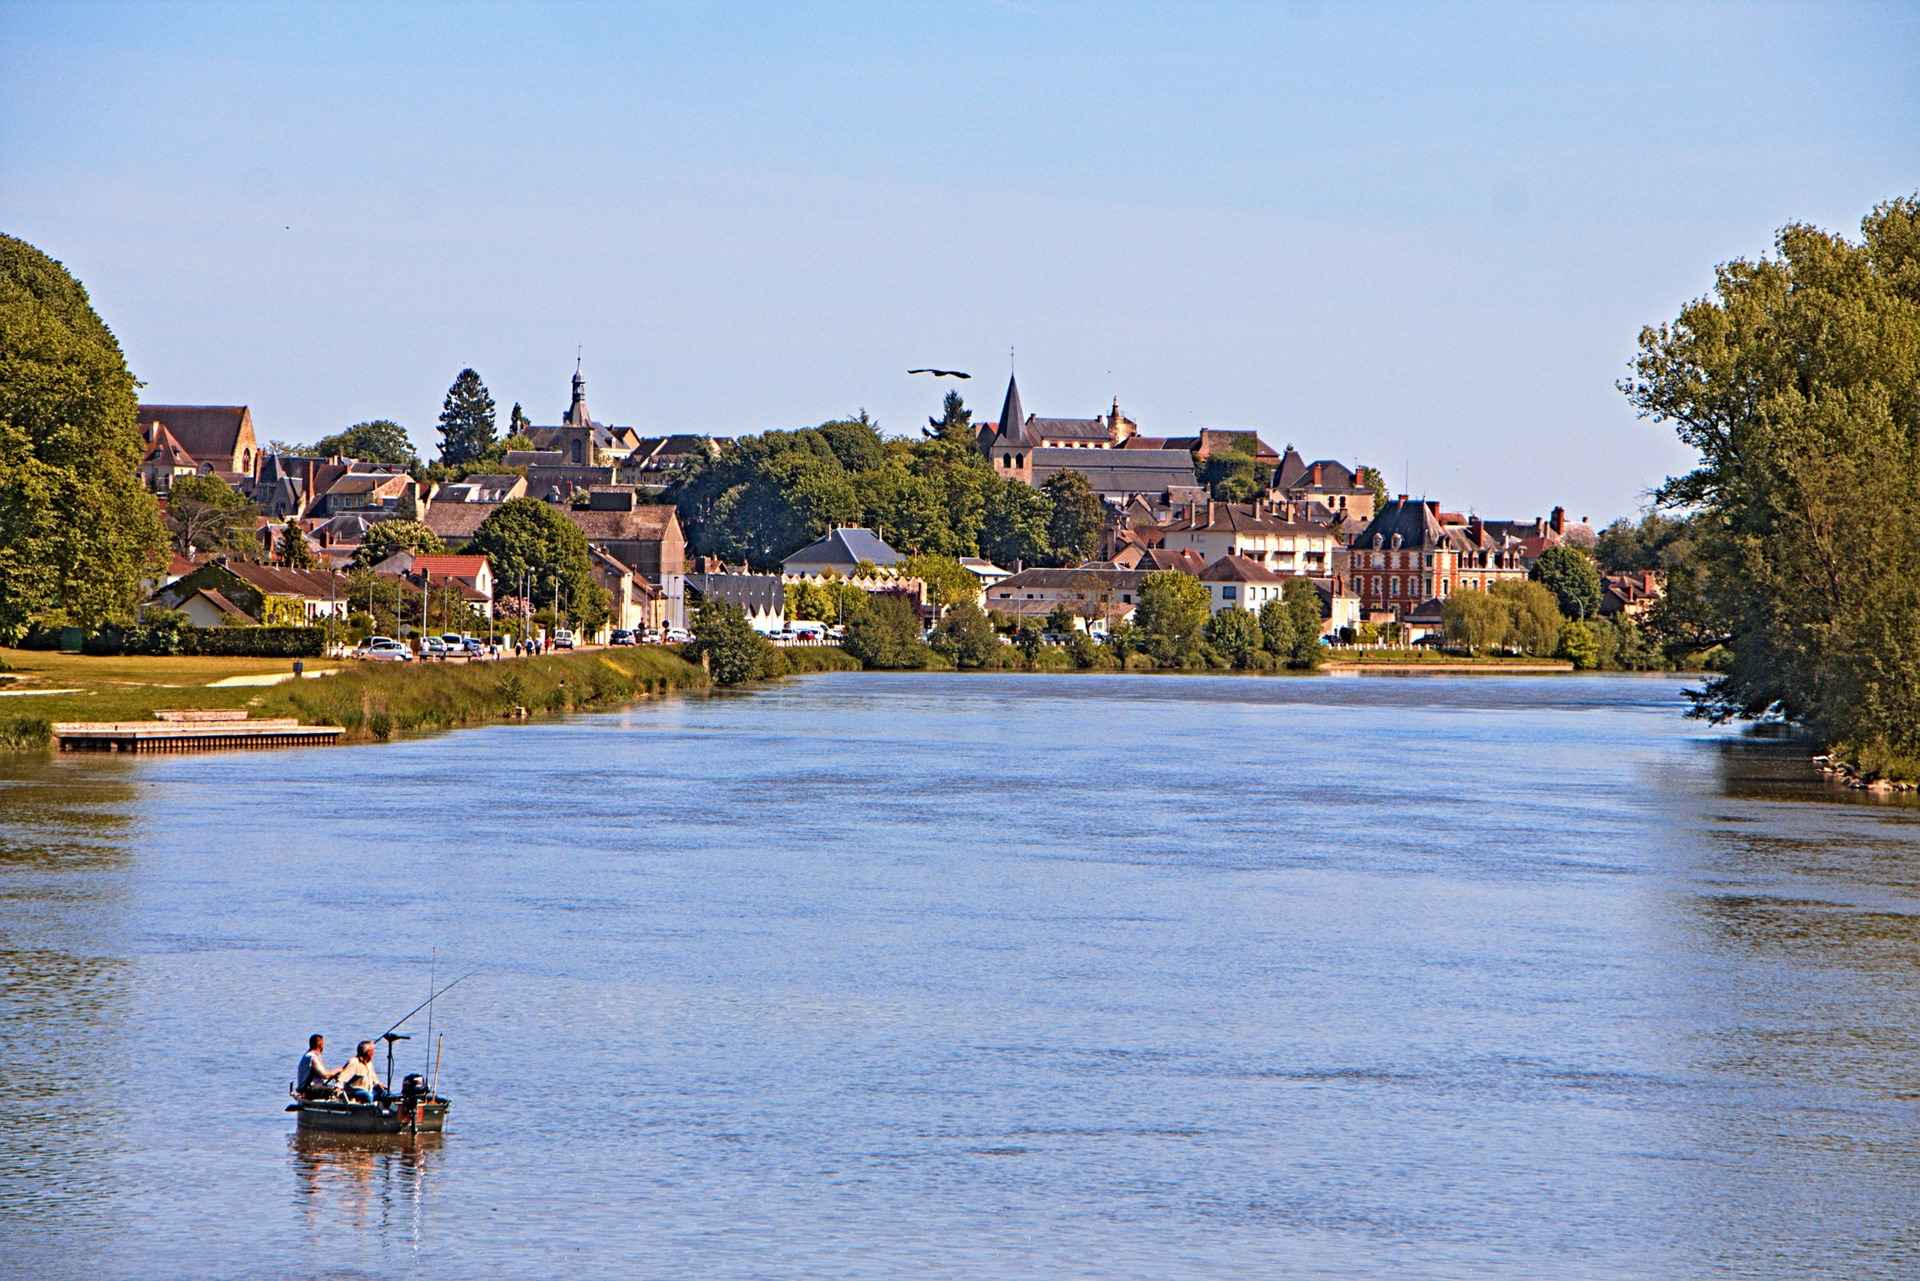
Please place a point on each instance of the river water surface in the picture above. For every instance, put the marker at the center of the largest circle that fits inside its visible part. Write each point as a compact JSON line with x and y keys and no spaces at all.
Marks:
{"x":982,"y":977}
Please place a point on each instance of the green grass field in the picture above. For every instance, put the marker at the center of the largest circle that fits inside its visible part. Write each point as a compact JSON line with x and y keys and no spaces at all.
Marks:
{"x":373,"y":701}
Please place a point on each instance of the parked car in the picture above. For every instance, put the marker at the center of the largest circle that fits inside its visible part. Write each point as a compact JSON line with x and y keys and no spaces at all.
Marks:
{"x":432,"y":647}
{"x":621,"y":636}
{"x":678,"y":636}
{"x":562,"y":638}
{"x":649,"y":636}
{"x":809,"y":631}
{"x":474,"y":648}
{"x":384,"y":649}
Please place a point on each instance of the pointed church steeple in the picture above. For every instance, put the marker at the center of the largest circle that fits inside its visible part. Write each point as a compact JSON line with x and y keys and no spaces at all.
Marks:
{"x":1013,"y":418}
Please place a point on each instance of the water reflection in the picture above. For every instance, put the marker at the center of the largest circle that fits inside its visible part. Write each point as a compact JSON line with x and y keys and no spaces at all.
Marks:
{"x":363,"y":1181}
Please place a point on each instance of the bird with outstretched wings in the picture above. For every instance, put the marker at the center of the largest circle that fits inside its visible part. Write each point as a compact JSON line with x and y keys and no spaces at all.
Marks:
{"x":941,"y":373}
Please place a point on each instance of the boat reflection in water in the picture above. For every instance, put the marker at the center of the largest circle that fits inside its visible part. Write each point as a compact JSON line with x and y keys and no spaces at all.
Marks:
{"x":362,"y":1180}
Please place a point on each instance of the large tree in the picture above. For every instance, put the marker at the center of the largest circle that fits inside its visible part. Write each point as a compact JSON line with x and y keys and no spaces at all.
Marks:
{"x":1075,"y":518}
{"x":954,"y":426}
{"x":293,"y":550}
{"x":1475,"y":620}
{"x":466,"y":420}
{"x":77,"y":532}
{"x":1798,"y":382}
{"x":1533,"y":616}
{"x":1301,"y":601}
{"x":1570,"y":574}
{"x":526,"y":534}
{"x":209,"y":515}
{"x":1172,"y":609}
{"x":389,"y":536}
{"x":378,"y":440}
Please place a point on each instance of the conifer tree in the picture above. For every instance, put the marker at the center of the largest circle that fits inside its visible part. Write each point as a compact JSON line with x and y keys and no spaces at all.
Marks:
{"x":294,"y":551}
{"x":466,"y":420}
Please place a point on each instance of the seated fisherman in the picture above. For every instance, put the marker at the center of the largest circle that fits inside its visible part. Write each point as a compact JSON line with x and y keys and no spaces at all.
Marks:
{"x":358,"y":1078}
{"x":312,"y":1077}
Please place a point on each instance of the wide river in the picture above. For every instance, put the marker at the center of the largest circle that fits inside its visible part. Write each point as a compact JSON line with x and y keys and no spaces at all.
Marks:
{"x":983,"y":977}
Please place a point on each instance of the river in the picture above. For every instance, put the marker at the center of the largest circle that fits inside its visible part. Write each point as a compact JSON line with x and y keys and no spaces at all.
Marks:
{"x":982,"y":977}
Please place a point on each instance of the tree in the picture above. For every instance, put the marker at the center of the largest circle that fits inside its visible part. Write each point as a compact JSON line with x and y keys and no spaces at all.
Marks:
{"x":527,"y":535}
{"x":1301,"y":631}
{"x":1236,"y":634}
{"x":294,"y":551}
{"x":518,"y":424}
{"x":1015,"y":529}
{"x":466,"y":420}
{"x":1627,"y":546}
{"x":1797,"y":383}
{"x":1569,"y":573}
{"x":209,"y":515}
{"x":378,"y":440}
{"x":887,"y":635}
{"x":734,"y":652}
{"x":1588,"y":645}
{"x":1172,"y":609}
{"x":965,"y":637}
{"x":1028,"y":639}
{"x":1372,"y":479}
{"x":955,"y":424}
{"x":1533,"y":616}
{"x":948,"y":581}
{"x":386,"y":537}
{"x":1232,"y":474}
{"x":1075,"y":517}
{"x":1475,"y":620}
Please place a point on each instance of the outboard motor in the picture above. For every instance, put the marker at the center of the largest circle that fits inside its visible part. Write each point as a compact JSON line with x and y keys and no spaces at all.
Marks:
{"x":414,"y":1087}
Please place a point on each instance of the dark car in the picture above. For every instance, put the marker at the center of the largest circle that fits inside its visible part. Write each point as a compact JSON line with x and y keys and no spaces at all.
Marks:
{"x":621,"y":636}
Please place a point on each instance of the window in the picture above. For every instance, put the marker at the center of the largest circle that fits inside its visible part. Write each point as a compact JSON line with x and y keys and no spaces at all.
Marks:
{"x":1227,"y":592}
{"x":1393,"y":585}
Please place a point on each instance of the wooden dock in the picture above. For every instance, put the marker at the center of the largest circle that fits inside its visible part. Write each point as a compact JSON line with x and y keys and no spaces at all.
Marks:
{"x":190,"y":730}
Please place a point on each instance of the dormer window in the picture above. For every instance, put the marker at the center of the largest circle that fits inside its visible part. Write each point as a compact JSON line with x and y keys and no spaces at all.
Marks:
{"x":1396,"y":540}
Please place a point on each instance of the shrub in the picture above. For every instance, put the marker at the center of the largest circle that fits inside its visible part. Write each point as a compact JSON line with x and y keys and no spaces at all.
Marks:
{"x":253,"y":642}
{"x":887,"y":636}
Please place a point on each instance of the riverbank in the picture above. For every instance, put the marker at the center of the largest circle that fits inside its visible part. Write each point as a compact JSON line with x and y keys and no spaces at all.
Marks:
{"x":373,"y":702}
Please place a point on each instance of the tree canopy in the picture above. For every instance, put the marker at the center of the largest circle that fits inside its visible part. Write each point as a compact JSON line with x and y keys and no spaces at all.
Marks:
{"x":1475,"y":621}
{"x":1073,"y":524}
{"x":209,"y":515}
{"x":1798,"y":382}
{"x":1570,"y":574}
{"x":527,"y":534}
{"x":466,"y":420}
{"x":378,"y":440}
{"x":77,"y":531}
{"x":1172,"y":609}
{"x":386,"y":537}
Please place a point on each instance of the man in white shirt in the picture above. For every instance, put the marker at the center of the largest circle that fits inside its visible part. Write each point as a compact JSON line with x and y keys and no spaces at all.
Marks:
{"x":358,"y":1078}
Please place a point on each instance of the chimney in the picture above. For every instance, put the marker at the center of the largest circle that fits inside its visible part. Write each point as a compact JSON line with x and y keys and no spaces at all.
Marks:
{"x":1401,"y":499}
{"x":1316,"y":473}
{"x":1474,"y":523}
{"x":1433,"y":505}
{"x":1559,"y":521}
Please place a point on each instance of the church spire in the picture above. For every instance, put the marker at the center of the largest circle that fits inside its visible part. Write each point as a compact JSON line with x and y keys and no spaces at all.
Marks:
{"x":1013,"y":416}
{"x":577,"y":415}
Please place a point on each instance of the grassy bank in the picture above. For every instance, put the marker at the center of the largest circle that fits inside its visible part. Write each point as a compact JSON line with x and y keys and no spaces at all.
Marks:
{"x":372,"y":701}
{"x":802,"y":661}
{"x":1433,"y":658}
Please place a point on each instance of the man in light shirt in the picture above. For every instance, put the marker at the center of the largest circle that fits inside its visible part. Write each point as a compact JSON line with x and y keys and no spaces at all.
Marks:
{"x":358,"y":1078}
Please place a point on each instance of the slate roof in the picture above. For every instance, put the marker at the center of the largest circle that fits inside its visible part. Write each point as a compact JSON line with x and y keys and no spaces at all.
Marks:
{"x":277,"y":581}
{"x":764,"y":593}
{"x":1079,"y":579}
{"x":457,"y":520}
{"x":1013,"y":429}
{"x":1069,"y":428}
{"x":533,"y":458}
{"x":847,"y":546}
{"x":1414,"y":521}
{"x":1238,"y":518}
{"x":1118,"y":473}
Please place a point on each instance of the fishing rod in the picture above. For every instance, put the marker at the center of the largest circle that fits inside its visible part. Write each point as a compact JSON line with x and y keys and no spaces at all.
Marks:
{"x":390,"y":1036}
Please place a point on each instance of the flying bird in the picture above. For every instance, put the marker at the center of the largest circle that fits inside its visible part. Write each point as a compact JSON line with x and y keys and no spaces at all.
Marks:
{"x":941,"y":373}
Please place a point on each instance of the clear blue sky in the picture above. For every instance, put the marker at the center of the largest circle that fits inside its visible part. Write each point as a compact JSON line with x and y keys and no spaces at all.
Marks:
{"x":1419,"y":236}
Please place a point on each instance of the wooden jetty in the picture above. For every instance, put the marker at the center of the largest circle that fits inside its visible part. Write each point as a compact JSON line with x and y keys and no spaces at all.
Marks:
{"x":190,"y":730}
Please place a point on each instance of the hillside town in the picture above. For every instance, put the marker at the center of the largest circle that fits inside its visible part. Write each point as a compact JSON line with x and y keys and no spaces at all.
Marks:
{"x":334,"y":539}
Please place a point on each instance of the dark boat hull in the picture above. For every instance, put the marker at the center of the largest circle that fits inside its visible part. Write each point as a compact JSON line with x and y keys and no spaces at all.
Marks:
{"x":425,"y":1116}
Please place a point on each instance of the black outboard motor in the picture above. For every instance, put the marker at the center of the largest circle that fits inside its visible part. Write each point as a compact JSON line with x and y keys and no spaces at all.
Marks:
{"x":414,"y":1087}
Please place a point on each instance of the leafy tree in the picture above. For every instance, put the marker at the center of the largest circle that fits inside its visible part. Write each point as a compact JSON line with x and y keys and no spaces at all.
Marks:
{"x":1628,"y":546}
{"x":854,"y":442}
{"x":294,"y":550}
{"x":948,"y":581}
{"x":734,"y":652}
{"x":466,"y":420}
{"x":1276,"y":636}
{"x":1172,"y":610}
{"x":1588,"y":645}
{"x":1237,"y":635}
{"x":1075,"y":517}
{"x":1533,"y":616}
{"x":209,"y":515}
{"x":1028,"y":639}
{"x":1083,"y":652}
{"x":1569,"y":573}
{"x":378,"y":440}
{"x":77,"y":531}
{"x":1061,"y":619}
{"x":1125,"y":640}
{"x":1016,"y":525}
{"x":1301,"y":635}
{"x":527,"y":534}
{"x":887,"y":635}
{"x":1372,"y":479}
{"x":965,"y":637}
{"x":1475,"y":621}
{"x":1232,"y":474}
{"x":955,"y":424}
{"x":386,"y":537}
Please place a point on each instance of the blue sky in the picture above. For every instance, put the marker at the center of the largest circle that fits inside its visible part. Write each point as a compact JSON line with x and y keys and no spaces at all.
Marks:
{"x":1418,"y":236}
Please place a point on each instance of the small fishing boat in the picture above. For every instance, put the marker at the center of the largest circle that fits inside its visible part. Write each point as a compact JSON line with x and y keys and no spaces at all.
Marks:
{"x":417,"y":1108}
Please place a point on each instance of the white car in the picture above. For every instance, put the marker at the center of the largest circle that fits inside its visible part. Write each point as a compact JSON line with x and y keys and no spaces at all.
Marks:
{"x":678,"y":636}
{"x":384,"y":649}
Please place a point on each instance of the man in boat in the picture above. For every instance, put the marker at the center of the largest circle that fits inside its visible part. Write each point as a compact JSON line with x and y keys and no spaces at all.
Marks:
{"x":312,"y":1078}
{"x":358,"y":1079}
